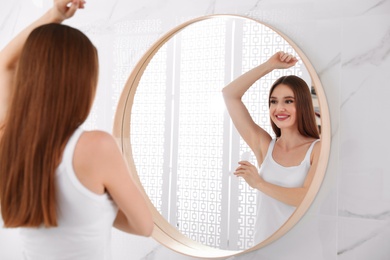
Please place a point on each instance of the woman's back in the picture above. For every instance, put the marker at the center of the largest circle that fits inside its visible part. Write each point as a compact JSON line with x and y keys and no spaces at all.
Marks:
{"x":55,"y":191}
{"x":85,"y":218}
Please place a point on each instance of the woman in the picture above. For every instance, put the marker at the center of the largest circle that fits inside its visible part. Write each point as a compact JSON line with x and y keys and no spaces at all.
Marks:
{"x":63,"y":187}
{"x":287,"y":162}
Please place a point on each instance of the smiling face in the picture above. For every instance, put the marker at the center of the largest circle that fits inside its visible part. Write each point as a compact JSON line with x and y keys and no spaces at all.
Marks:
{"x":282,"y":107}
{"x":299,"y":111}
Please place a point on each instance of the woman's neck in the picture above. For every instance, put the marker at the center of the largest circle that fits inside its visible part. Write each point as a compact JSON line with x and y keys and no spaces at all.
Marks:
{"x":290,"y":139}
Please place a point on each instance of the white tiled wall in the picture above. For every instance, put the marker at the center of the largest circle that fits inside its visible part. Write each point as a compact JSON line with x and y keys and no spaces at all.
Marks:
{"x":348,"y":42}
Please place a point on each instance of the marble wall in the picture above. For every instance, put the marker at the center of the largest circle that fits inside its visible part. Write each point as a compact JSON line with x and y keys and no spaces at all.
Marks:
{"x":348,"y":42}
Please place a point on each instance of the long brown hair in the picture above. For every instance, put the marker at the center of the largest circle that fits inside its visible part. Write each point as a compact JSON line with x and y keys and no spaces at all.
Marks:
{"x":52,"y":95}
{"x":304,"y":106}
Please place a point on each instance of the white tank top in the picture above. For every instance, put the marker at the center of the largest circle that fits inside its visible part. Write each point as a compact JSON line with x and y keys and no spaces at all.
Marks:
{"x":272,"y":213}
{"x":85,"y":219}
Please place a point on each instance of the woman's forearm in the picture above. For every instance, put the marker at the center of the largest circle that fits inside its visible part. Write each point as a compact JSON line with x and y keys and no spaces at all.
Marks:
{"x":122,"y":223}
{"x":10,"y":54}
{"x":290,"y":196}
{"x":237,"y":88}
{"x":61,"y":10}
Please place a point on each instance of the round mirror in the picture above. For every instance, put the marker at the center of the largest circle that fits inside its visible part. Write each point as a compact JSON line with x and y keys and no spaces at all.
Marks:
{"x":180,"y":143}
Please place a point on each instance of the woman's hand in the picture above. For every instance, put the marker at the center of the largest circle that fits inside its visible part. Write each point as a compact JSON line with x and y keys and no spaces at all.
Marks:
{"x":64,"y":9}
{"x":249,"y":172}
{"x":282,"y":60}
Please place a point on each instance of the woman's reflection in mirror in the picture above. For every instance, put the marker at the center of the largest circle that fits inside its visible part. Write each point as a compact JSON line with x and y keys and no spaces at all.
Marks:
{"x":287,"y":162}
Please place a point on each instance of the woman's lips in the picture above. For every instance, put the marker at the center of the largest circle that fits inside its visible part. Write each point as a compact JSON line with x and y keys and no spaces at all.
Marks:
{"x":282,"y":117}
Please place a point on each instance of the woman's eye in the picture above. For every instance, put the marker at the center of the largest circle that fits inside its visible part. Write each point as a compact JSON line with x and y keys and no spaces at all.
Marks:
{"x":273,"y":102}
{"x":289,"y":101}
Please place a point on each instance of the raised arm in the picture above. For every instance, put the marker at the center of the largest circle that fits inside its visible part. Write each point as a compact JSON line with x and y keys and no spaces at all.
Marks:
{"x":9,"y":56}
{"x":256,"y":137}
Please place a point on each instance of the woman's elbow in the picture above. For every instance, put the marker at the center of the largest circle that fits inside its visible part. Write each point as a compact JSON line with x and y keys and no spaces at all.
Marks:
{"x":146,"y":227}
{"x":147,"y":230}
{"x":142,"y":225}
{"x":225,"y":93}
{"x":230,"y":96}
{"x":297,"y":200}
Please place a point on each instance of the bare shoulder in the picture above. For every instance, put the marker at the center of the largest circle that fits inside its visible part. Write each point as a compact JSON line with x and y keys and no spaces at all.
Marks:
{"x":95,"y":148}
{"x":317,"y":146}
{"x":94,"y":155}
{"x":315,"y":154}
{"x":101,"y":137}
{"x":96,"y":142}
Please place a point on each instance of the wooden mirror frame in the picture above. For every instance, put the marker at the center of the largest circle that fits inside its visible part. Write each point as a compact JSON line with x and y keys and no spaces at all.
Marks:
{"x":164,"y":232}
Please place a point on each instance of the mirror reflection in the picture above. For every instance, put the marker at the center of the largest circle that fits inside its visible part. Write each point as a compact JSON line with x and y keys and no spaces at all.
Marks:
{"x":184,"y":145}
{"x":288,"y":160}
